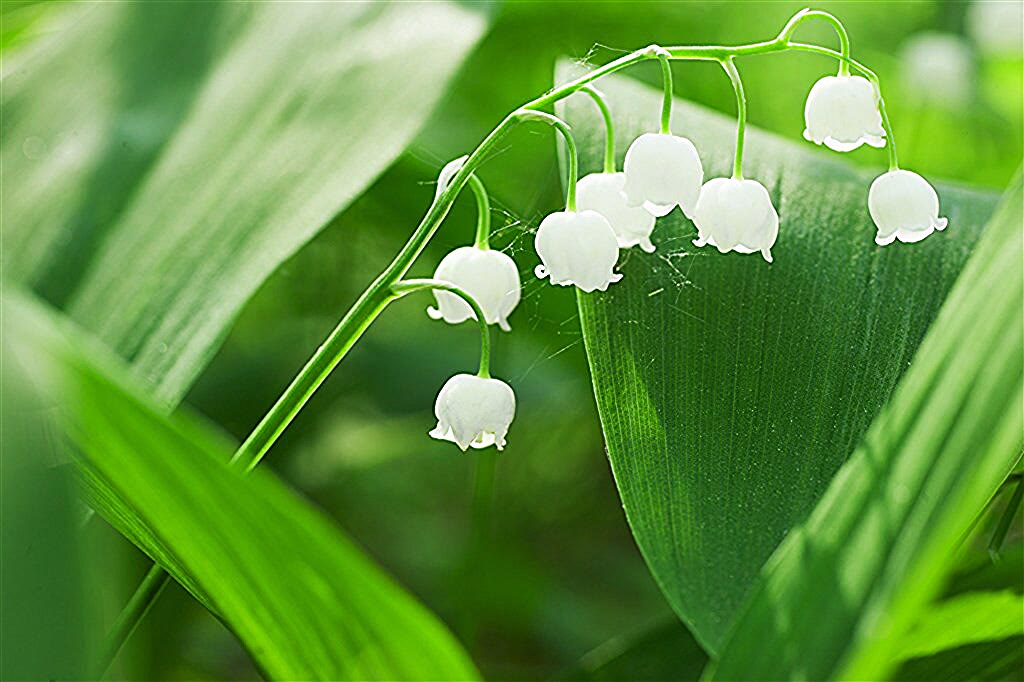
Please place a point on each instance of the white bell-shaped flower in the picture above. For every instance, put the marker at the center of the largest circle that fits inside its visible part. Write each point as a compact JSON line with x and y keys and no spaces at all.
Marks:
{"x":474,"y":411}
{"x":577,"y":248}
{"x":662,"y":172}
{"x":490,"y":277}
{"x":904,"y":206}
{"x":736,"y":215}
{"x":842,"y":113}
{"x":602,"y":192}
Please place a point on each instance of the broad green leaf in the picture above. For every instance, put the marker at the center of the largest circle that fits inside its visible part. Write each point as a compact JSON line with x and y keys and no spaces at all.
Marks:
{"x":996,"y":661}
{"x":48,"y":614}
{"x":666,"y":653}
{"x":166,"y":157}
{"x":730,"y":390}
{"x":301,"y":597}
{"x":839,"y":595}
{"x":965,"y":619}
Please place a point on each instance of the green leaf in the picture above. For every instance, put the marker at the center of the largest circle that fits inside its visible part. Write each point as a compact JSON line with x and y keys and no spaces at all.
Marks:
{"x":965,"y":619}
{"x":665,"y":653}
{"x":170,"y":156}
{"x":999,"y":661}
{"x":731,"y":390}
{"x":301,"y":597}
{"x":841,"y":592}
{"x":49,"y":613}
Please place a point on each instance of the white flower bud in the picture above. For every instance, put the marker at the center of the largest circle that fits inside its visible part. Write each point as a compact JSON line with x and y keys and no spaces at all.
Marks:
{"x":602,"y":192}
{"x":490,"y":277}
{"x":997,"y":28}
{"x":473,"y":411}
{"x":939,"y":69}
{"x":447,"y":173}
{"x":842,"y":113}
{"x":736,"y":215}
{"x":662,"y":172}
{"x":904,"y":206}
{"x":577,"y":248}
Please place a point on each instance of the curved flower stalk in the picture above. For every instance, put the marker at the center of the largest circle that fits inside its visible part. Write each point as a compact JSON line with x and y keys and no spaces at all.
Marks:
{"x":916,"y":219}
{"x":491,"y":277}
{"x":471,"y":410}
{"x":734,"y":214}
{"x":575,"y":247}
{"x":660,"y":172}
{"x":603,"y":192}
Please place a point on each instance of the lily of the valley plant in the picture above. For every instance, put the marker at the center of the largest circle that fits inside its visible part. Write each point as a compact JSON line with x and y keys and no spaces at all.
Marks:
{"x":605,"y":212}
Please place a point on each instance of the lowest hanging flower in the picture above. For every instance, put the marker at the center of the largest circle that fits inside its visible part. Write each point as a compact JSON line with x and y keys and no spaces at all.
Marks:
{"x":474,"y":411}
{"x":903,"y":206}
{"x":490,"y":277}
{"x":842,"y":113}
{"x":736,"y":215}
{"x":577,"y":248}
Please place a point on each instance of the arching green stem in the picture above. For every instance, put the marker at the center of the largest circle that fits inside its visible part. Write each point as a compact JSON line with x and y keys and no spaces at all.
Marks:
{"x":741,"y":116}
{"x":483,"y":214}
{"x":609,"y":127}
{"x":408,"y":286}
{"x":873,"y":78}
{"x":666,"y":84}
{"x":808,"y":14}
{"x":570,"y":143}
{"x":141,"y":600}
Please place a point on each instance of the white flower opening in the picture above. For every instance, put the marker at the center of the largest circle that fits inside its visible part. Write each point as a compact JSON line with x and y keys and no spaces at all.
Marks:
{"x":602,"y":192}
{"x":736,"y":215}
{"x":490,"y":277}
{"x":662,"y":172}
{"x":903,"y":206}
{"x":842,"y":113}
{"x":474,"y":411}
{"x":577,"y":248}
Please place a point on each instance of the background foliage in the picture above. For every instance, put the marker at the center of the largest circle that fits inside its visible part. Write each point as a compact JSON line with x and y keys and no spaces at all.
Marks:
{"x":564,"y":574}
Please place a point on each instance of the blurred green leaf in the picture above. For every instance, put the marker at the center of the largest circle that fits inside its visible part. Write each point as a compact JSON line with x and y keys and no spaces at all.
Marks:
{"x":844,"y":588}
{"x":731,"y":390}
{"x":171,"y":155}
{"x":666,"y":653}
{"x":1001,"y":660}
{"x":48,"y":616}
{"x":303,"y":600}
{"x":965,"y":619}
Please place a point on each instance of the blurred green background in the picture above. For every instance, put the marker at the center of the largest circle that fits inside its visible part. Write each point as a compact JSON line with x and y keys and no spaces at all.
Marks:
{"x":562,"y":575}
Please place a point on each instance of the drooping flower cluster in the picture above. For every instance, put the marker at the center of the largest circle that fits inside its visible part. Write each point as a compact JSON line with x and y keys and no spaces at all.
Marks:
{"x":843,"y":113}
{"x":612,"y":210}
